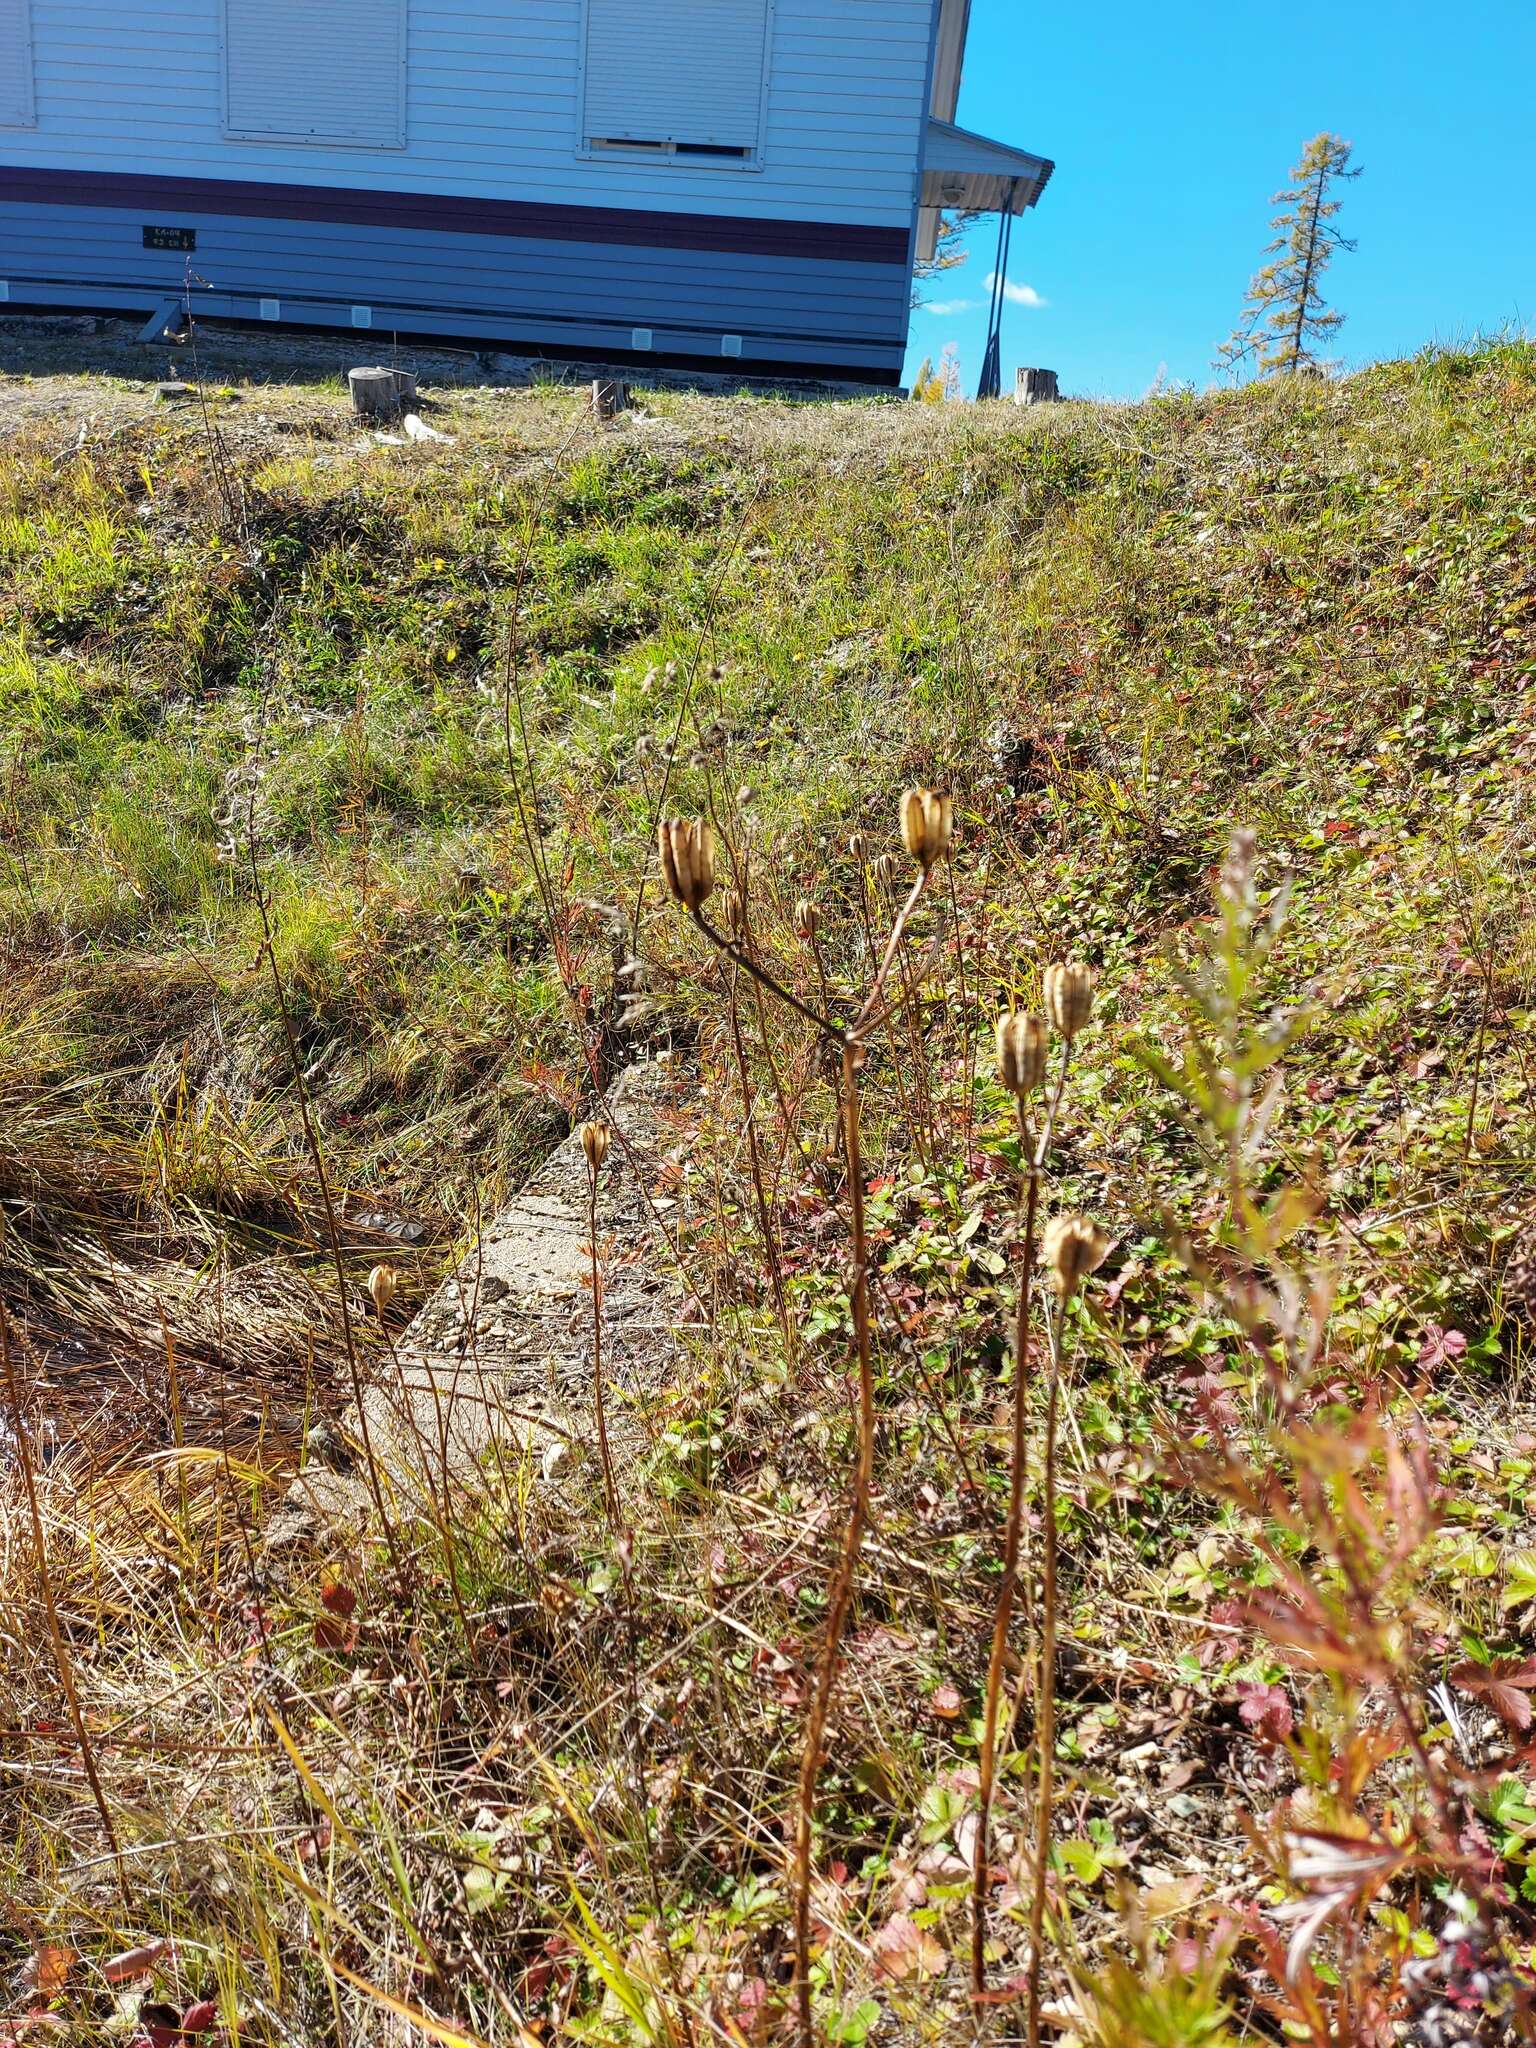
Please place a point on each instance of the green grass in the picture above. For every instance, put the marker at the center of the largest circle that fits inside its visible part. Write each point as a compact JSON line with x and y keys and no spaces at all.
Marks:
{"x":1115,"y":633}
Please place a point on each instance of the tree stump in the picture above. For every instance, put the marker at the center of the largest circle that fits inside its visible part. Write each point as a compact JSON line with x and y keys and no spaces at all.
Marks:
{"x":377,"y":392}
{"x":1036,"y":387}
{"x":609,"y":397}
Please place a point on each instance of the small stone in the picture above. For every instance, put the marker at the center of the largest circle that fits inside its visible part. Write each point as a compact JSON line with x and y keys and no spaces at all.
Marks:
{"x":169,"y":392}
{"x":556,"y":1459}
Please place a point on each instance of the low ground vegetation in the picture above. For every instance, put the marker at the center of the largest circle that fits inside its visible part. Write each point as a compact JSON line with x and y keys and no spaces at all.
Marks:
{"x":328,"y":806}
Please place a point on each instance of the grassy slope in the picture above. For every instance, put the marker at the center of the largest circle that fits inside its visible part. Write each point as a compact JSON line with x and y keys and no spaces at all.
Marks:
{"x":1115,"y":633}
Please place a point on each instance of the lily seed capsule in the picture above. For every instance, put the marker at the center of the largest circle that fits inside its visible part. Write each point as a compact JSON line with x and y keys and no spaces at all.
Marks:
{"x":927,"y":825}
{"x":383,"y":1286}
{"x":1073,"y":1247}
{"x":687,"y":847}
{"x":1068,"y":996}
{"x":1021,"y":1044}
{"x":595,"y":1137}
{"x":807,"y":918}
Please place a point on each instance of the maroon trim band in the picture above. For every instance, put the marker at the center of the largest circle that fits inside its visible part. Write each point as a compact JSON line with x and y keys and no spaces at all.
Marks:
{"x":826,"y":241}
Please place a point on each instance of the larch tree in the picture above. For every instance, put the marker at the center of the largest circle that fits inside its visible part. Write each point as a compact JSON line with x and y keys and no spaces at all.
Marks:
{"x":1286,"y":323}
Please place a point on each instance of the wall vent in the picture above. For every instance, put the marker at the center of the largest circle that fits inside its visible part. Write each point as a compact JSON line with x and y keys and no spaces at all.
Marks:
{"x":640,"y":337}
{"x":362,"y":316}
{"x":271,"y":309}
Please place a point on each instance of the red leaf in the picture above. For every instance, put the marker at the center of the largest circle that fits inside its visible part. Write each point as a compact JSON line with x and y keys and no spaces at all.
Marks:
{"x":1265,"y":1709}
{"x":946,"y":1703}
{"x":197,"y":2019}
{"x":134,"y":1962}
{"x":336,"y":1630}
{"x":1506,"y":1685}
{"x":903,"y":1949}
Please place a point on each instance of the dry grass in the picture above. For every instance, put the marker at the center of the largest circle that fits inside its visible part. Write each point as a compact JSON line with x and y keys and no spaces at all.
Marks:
{"x":530,"y":1781}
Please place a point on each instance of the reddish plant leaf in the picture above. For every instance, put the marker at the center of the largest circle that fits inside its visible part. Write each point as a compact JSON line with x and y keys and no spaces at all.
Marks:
{"x":904,"y":1950}
{"x":335,"y":1629}
{"x":946,"y":1703}
{"x":134,"y":1962}
{"x":1505,"y":1684}
{"x":1264,"y":1709}
{"x":198,"y":2018}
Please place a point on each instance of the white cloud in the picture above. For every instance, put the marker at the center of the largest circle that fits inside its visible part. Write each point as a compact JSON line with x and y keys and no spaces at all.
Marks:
{"x":1017,"y":294}
{"x":947,"y":306}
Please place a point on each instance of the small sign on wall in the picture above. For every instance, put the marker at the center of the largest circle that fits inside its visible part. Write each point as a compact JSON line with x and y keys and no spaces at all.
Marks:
{"x":171,"y":238}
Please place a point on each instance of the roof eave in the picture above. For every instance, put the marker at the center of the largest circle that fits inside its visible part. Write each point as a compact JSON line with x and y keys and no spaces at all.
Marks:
{"x":949,"y":56}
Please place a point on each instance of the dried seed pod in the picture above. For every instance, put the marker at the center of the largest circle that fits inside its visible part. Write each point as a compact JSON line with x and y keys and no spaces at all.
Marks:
{"x":383,"y":1286}
{"x":733,"y":912}
{"x":1068,"y":996}
{"x":1073,"y":1248}
{"x":807,"y":918}
{"x":1021,"y":1041}
{"x":687,"y":848}
{"x":927,"y":825}
{"x":883,"y":868}
{"x":856,"y":848}
{"x":595,"y":1138}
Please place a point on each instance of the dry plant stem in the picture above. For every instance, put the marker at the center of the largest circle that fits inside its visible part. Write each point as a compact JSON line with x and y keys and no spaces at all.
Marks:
{"x":968,"y":1107}
{"x":1036,"y":1152}
{"x":1012,"y":1548}
{"x":442,"y":1512}
{"x":599,"y":1396}
{"x":317,"y":1161}
{"x":764,"y":1218}
{"x":624,"y":1545}
{"x":55,"y":1627}
{"x":1045,"y":1709}
{"x":840,"y":1593}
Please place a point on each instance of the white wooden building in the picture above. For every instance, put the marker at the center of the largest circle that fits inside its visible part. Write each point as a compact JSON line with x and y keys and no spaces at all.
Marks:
{"x":696,"y":180}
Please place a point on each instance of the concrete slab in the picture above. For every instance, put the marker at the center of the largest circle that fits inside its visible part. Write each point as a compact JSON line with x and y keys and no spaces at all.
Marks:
{"x":497,"y":1366}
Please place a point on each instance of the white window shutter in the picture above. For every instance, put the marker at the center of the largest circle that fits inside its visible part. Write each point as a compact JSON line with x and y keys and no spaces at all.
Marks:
{"x":297,"y":72}
{"x":679,"y":71}
{"x":18,"y":106}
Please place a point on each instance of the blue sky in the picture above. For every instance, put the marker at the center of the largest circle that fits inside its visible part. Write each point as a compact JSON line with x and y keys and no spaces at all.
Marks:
{"x":1170,"y":129}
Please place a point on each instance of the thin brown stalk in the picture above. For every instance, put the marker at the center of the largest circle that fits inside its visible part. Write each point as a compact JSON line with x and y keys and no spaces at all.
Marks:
{"x":852,"y":1043}
{"x":1045,"y":1701}
{"x":1036,"y":1151}
{"x":323,"y":1180}
{"x":442,"y":1511}
{"x":599,"y":1395}
{"x":61,"y":1657}
{"x":760,"y":1192}
{"x":840,"y":1593}
{"x":1012,"y":1549}
{"x":968,"y":1102}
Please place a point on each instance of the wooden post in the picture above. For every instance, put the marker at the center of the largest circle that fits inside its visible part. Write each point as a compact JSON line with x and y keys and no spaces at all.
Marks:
{"x":609,"y":397}
{"x":1036,"y":387}
{"x":376,"y":393}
